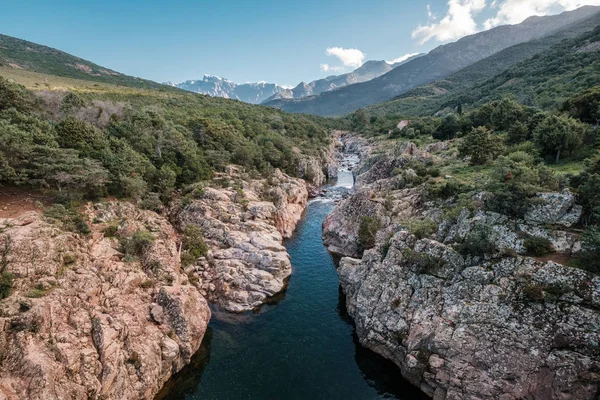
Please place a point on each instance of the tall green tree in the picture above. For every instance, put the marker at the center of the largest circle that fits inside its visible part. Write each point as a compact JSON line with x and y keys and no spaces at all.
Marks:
{"x":558,"y":134}
{"x":481,"y":145}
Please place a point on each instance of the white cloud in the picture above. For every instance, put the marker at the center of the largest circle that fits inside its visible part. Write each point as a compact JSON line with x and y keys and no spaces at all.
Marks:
{"x":330,"y":68}
{"x":516,"y":11}
{"x":458,"y":22}
{"x":348,"y":57}
{"x":429,"y":13}
{"x":403,"y":58}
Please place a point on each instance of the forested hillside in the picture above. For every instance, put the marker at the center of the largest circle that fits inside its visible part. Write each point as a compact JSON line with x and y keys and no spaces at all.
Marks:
{"x":83,"y":139}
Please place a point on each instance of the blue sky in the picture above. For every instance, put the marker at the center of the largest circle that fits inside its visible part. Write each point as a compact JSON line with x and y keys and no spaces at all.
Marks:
{"x":277,"y":41}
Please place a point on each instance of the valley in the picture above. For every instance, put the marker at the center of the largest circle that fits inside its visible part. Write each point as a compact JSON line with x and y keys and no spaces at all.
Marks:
{"x":424,"y":228}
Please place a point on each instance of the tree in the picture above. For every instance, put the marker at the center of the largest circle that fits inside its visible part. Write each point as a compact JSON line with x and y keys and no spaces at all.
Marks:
{"x":448,"y":128}
{"x":557,"y":134}
{"x":459,"y":108}
{"x":518,"y":132}
{"x":359,"y":120}
{"x":506,"y":113}
{"x":481,"y":145}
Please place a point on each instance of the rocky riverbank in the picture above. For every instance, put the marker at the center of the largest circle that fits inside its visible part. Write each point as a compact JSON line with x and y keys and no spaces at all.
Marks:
{"x":458,"y":324}
{"x":98,"y":303}
{"x":83,"y":320}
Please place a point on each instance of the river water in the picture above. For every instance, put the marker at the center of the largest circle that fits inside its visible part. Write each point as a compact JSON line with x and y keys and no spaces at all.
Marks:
{"x":301,"y":346}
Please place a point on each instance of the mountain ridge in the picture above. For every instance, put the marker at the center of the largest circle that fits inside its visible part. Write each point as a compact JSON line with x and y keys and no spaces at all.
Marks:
{"x":437,"y":64}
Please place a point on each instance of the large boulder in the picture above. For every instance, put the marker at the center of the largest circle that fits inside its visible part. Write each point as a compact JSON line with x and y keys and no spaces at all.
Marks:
{"x":555,"y":208}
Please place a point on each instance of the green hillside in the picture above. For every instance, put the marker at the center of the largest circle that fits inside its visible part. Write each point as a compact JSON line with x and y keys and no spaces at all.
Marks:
{"x":23,"y":55}
{"x":436,"y":65}
{"x":541,"y":72}
{"x":87,"y":138}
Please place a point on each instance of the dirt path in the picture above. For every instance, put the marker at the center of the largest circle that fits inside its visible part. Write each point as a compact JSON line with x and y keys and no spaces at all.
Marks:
{"x":16,"y":201}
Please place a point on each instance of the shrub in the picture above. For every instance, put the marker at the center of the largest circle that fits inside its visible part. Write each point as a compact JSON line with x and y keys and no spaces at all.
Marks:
{"x":71,"y":219}
{"x":111,"y":230}
{"x":422,"y":262}
{"x":367,"y":231}
{"x":534,"y":292}
{"x":137,"y":244}
{"x":6,"y":284}
{"x":422,"y":228}
{"x":478,"y":243}
{"x":538,"y":246}
{"x":69,"y":258}
{"x":589,"y":258}
{"x":446,"y":190}
{"x":152,"y":202}
{"x":193,"y":244}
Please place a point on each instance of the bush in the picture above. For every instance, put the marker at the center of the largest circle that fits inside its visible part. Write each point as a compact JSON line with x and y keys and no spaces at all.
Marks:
{"x":538,"y":246}
{"x":193,"y":244}
{"x":151,"y":202}
{"x":367,"y":231}
{"x":445,"y":190}
{"x":534,"y":292}
{"x":137,"y":244}
{"x":6,"y":283}
{"x":70,"y":219}
{"x":421,"y":262}
{"x":422,"y":228}
{"x":589,"y":258}
{"x":478,"y":243}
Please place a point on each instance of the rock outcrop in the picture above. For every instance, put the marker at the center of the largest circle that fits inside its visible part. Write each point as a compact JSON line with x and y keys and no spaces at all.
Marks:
{"x":84,"y":320}
{"x":460,"y":325}
{"x":462,"y":328}
{"x":245,"y":228}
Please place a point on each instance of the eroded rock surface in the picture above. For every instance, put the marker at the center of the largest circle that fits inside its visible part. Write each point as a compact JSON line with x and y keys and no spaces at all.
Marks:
{"x":245,"y":228}
{"x":83,"y":320}
{"x":463,"y":328}
{"x":458,"y":325}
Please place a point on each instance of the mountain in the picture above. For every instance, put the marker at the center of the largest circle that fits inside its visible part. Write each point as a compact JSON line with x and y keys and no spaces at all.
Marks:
{"x":18,"y":54}
{"x":215,"y":86}
{"x":460,"y":86}
{"x":439,"y":63}
{"x":369,"y":70}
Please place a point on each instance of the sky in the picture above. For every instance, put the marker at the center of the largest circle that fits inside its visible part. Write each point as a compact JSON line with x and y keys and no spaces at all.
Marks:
{"x":280,"y":41}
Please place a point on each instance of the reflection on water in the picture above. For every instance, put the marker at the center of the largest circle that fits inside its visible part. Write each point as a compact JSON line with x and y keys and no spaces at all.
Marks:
{"x":302,"y":346}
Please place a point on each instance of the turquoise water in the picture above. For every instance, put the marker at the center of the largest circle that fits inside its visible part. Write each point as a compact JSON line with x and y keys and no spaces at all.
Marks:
{"x":302,"y":346}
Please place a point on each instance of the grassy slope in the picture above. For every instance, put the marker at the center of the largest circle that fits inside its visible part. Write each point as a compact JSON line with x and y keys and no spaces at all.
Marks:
{"x":20,"y":54}
{"x":473,"y":84}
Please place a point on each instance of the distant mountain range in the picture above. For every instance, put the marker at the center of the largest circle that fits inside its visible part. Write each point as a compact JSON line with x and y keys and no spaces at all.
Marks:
{"x":215,"y":86}
{"x":368,"y":71}
{"x":438,"y":64}
{"x":532,"y":72}
{"x":259,"y":92}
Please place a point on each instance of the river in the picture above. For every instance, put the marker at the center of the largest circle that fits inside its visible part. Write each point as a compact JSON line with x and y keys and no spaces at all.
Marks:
{"x":301,"y":346}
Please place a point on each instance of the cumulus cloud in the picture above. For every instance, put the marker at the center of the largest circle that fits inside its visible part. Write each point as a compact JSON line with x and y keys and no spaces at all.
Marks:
{"x":330,"y":68}
{"x":348,"y":57}
{"x":516,"y":11}
{"x":402,"y":58}
{"x":459,"y":21}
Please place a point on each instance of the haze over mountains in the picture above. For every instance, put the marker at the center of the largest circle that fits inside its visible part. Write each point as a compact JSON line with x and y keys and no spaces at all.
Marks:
{"x":439,"y":63}
{"x":258,"y":92}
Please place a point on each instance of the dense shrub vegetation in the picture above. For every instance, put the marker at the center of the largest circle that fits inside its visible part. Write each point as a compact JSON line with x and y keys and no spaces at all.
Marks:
{"x":148,"y":143}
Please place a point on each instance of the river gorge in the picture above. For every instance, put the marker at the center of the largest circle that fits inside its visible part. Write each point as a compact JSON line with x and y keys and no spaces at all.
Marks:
{"x":300,"y":345}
